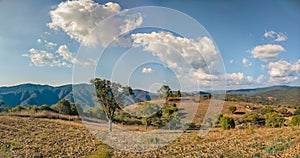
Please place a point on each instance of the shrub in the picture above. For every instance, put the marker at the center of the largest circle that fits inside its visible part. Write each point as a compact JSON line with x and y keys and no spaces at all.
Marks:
{"x":274,"y":120}
{"x":219,"y":116}
{"x":266,"y":109}
{"x":232,"y":109}
{"x":33,"y":108}
{"x":63,"y":107}
{"x":295,"y":121}
{"x":227,"y":122}
{"x":95,"y":112}
{"x":18,"y":108}
{"x":251,"y":117}
{"x":45,"y":107}
{"x":283,"y":110}
{"x":297,"y":112}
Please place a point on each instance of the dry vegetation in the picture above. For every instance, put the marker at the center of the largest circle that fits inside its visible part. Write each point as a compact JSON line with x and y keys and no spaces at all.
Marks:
{"x":37,"y":137}
{"x":44,"y":137}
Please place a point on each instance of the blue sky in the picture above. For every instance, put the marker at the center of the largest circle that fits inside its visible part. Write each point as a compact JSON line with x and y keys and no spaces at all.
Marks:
{"x":258,"y":41}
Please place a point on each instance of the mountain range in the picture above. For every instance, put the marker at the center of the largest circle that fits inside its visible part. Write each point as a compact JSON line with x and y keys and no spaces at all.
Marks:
{"x":35,"y":94}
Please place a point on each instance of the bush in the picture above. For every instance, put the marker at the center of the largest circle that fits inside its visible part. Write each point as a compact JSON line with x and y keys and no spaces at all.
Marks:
{"x":274,"y":120}
{"x":63,"y":107}
{"x":18,"y":108}
{"x":297,"y":112}
{"x":266,"y":109}
{"x":95,"y":112}
{"x":45,"y":107}
{"x":227,"y":122}
{"x":283,"y":110}
{"x":33,"y":108}
{"x":232,"y":109}
{"x":219,"y":116}
{"x":251,"y":117}
{"x":295,"y":121}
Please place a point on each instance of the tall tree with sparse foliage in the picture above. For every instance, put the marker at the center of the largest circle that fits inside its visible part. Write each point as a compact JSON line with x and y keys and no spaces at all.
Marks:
{"x":165,"y":91}
{"x":111,"y":97}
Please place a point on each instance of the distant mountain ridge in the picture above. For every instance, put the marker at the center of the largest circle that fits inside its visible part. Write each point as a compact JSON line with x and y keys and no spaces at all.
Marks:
{"x":36,"y":94}
{"x":257,"y":90}
{"x":274,"y":95}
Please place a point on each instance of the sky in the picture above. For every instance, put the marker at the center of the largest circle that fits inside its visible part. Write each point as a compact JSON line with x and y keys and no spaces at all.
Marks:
{"x":204,"y":44}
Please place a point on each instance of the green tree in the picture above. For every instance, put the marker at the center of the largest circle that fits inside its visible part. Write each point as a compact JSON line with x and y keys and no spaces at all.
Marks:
{"x":75,"y":109}
{"x":169,"y":112}
{"x":178,"y":94}
{"x":232,"y":109}
{"x":147,"y":112}
{"x":295,"y":121}
{"x":165,"y":91}
{"x":251,"y":117}
{"x":111,"y":97}
{"x":274,"y":120}
{"x":63,"y":107}
{"x":266,"y":109}
{"x":227,"y":122}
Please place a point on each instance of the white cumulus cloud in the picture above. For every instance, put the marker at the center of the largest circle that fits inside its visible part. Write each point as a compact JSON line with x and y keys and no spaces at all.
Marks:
{"x":277,"y":36}
{"x":50,"y":44}
{"x":246,"y":62}
{"x":43,"y":58}
{"x":283,"y":72}
{"x":192,"y":60}
{"x":79,"y":18}
{"x":267,"y":52}
{"x":66,"y":54}
{"x":147,"y":70}
{"x":63,"y":57}
{"x":39,"y":40}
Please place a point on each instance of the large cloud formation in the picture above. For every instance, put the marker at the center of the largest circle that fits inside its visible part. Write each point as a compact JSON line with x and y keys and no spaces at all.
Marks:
{"x":186,"y":56}
{"x":194,"y":60}
{"x":79,"y":18}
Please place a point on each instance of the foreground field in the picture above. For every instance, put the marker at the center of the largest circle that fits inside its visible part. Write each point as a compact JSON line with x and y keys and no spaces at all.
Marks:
{"x":36,"y":137}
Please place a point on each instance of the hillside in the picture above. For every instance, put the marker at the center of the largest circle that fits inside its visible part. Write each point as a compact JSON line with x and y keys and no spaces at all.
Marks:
{"x":35,"y":94}
{"x":280,"y":95}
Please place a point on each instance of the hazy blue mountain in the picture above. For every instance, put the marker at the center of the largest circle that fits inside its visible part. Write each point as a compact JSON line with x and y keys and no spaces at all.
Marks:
{"x":254,"y":91}
{"x":35,"y":94}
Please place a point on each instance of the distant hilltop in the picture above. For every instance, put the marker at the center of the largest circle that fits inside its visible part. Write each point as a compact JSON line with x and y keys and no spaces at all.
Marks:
{"x":36,"y":94}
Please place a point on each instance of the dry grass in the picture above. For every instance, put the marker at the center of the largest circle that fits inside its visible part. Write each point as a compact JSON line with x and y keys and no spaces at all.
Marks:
{"x":262,"y":142}
{"x":37,"y":137}
{"x":41,"y":114}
